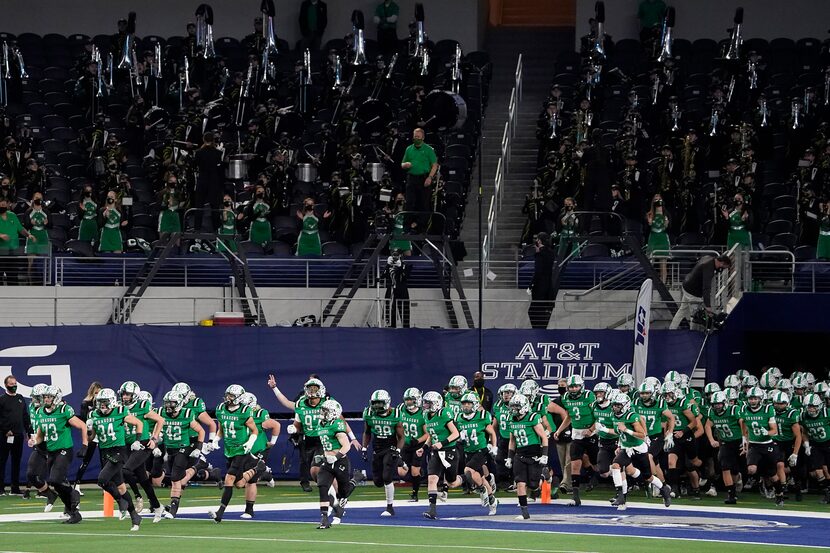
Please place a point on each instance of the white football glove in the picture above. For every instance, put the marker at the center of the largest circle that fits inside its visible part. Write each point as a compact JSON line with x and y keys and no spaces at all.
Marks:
{"x":291,"y":429}
{"x":249,"y":444}
{"x":601,"y":427}
{"x":793,"y":459}
{"x":207,"y":448}
{"x":508,"y":463}
{"x":668,"y":443}
{"x":331,"y":459}
{"x":492,"y":449}
{"x":195,"y":453}
{"x":157,"y":452}
{"x":214,"y":442}
{"x":136,"y":446}
{"x":808,"y":449}
{"x":543,"y":460}
{"x":763,"y":431}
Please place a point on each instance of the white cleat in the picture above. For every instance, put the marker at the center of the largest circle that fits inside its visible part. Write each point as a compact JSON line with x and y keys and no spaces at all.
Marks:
{"x":271,"y":483}
{"x":621,"y":507}
{"x":134,"y":528}
{"x":442,"y":497}
{"x":78,"y":489}
{"x":158,"y":514}
{"x":492,"y":508}
{"x":64,"y":516}
{"x":712,"y":492}
{"x":139,"y":504}
{"x":48,"y":508}
{"x":246,"y":516}
{"x":122,"y":515}
{"x":386,"y":514}
{"x":335,"y":521}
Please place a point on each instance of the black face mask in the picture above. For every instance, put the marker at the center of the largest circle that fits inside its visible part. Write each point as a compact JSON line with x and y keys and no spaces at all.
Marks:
{"x":3,"y":210}
{"x":260,"y":195}
{"x":87,"y":193}
{"x":228,"y":203}
{"x":478,"y":383}
{"x":562,"y":390}
{"x":110,"y":200}
{"x":12,"y":389}
{"x":38,"y":201}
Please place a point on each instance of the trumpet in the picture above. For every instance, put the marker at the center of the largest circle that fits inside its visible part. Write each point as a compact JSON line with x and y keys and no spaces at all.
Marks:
{"x":666,"y":36}
{"x":457,"y":75}
{"x":733,"y":49}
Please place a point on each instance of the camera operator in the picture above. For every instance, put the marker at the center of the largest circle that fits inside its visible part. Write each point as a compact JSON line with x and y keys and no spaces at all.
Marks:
{"x":697,"y":288}
{"x":397,"y":292}
{"x":541,"y":289}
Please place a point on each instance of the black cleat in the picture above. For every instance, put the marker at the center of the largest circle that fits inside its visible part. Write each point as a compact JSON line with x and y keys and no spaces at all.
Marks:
{"x":413,"y":497}
{"x":779,"y":500}
{"x":731,"y":500}
{"x":431,"y":514}
{"x":305,"y":486}
{"x":74,"y":517}
{"x":575,"y":501}
{"x":665,"y":491}
{"x":215,"y":516}
{"x":324,"y":522}
{"x":525,"y":514}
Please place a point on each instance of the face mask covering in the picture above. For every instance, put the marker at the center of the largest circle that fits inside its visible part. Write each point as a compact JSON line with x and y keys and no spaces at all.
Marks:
{"x":12,"y":389}
{"x":418,"y":141}
{"x":562,"y":390}
{"x":478,"y":383}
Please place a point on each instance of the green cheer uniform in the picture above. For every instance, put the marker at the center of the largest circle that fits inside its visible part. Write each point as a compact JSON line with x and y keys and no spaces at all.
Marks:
{"x":472,"y":430}
{"x":726,"y":425}
{"x":309,"y":241}
{"x":260,"y":416}
{"x":169,"y":219}
{"x":738,"y":233}
{"x":260,"y":231}
{"x":658,"y":238}
{"x":55,"y":427}
{"x":567,"y":237}
{"x":88,"y":229}
{"x":40,"y":244}
{"x":756,"y":422}
{"x":580,"y":408}
{"x":234,"y":430}
{"x":397,"y":242}
{"x":111,"y":233}
{"x":328,"y":434}
{"x":501,"y":412}
{"x":383,"y":429}
{"x":140,"y":410}
{"x":823,"y":247}
{"x":228,"y":228}
{"x":177,"y":428}
{"x":110,"y":428}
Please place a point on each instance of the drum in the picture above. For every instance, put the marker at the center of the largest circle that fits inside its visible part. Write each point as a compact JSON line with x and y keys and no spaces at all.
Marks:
{"x":306,"y":172}
{"x":238,"y":166}
{"x":373,"y":116}
{"x":444,"y":110}
{"x":376,"y":171}
{"x":217,"y":116}
{"x":156,"y":118}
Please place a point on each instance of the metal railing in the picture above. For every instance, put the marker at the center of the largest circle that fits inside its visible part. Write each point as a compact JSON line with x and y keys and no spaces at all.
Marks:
{"x":32,"y":270}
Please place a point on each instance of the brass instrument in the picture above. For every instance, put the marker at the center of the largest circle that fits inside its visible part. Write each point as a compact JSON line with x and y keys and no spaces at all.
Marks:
{"x":714,"y":121}
{"x":99,"y":72}
{"x":795,"y":114}
{"x":752,"y":70}
{"x":827,"y":87}
{"x":269,"y":50}
{"x":204,"y":31}
{"x":731,"y":90}
{"x":244,"y":92}
{"x":554,"y":124}
{"x":110,"y":69}
{"x":764,"y":112}
{"x":126,"y":61}
{"x":688,"y":157}
{"x":358,"y":39}
{"x":666,"y":35}
{"x":421,"y":48}
{"x":733,"y":48}
{"x":457,"y":75}
{"x":807,"y":101}
{"x":655,"y":89}
{"x":338,"y":73}
{"x":598,"y":48}
{"x":675,"y":117}
{"x":583,"y":125}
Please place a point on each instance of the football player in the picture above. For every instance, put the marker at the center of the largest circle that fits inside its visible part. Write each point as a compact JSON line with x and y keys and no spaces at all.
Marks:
{"x":632,"y":456}
{"x":526,"y":451}
{"x":307,"y":412}
{"x":197,"y":407}
{"x":108,"y":422}
{"x":384,"y":430}
{"x":135,"y":471}
{"x":652,"y":409}
{"x":262,"y":446}
{"x":538,"y":404}
{"x":788,"y":438}
{"x":604,"y":416}
{"x":501,"y":412}
{"x":411,"y":417}
{"x":681,"y":445}
{"x":36,"y":473}
{"x":179,"y":422}
{"x":759,"y":426}
{"x":723,"y":429}
{"x":476,"y":433}
{"x":239,"y":433}
{"x":625,"y":384}
{"x":578,"y":412}
{"x":333,"y":466}
{"x":456,"y":388}
{"x":55,"y":421}
{"x":439,"y":423}
{"x":815,"y":418}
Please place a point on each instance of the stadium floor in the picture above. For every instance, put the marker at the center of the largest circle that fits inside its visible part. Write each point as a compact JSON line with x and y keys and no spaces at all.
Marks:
{"x":286,"y":519}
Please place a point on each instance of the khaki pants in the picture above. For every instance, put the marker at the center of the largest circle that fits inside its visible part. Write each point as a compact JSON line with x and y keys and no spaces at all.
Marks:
{"x":563,"y":451}
{"x":688,"y":305}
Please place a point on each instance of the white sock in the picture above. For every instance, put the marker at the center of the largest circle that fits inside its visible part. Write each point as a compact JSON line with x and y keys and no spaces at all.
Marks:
{"x":616,"y":476}
{"x":656,"y":483}
{"x":624,"y":484}
{"x":636,"y":473}
{"x":390,"y":493}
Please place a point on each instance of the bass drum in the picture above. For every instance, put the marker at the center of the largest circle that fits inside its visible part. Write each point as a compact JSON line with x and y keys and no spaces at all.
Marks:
{"x":372,"y":117}
{"x":444,"y":110}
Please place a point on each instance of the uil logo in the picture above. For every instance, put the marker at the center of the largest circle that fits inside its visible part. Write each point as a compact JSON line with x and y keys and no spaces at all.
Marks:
{"x":13,"y":361}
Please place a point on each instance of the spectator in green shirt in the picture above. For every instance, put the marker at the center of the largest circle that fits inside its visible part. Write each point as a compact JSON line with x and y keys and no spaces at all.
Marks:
{"x":10,"y":231}
{"x":420,"y":164}
{"x":386,"y":18}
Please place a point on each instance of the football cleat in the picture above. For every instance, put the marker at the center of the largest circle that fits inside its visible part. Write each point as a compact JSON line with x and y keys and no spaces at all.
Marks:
{"x":388,"y":512}
{"x":135,"y":518}
{"x":324,"y":522}
{"x":484,"y":498}
{"x":74,"y":517}
{"x":158,"y":514}
{"x":493,"y":505}
{"x":431,"y":514}
{"x":442,"y":496}
{"x":305,"y":486}
{"x":216,"y":517}
{"x":139,"y":504}
{"x":575,"y":501}
{"x":525,"y":514}
{"x":413,"y":497}
{"x":246,"y":516}
{"x":665,"y":491}
{"x":712,"y":492}
{"x":779,"y":501}
{"x":78,"y":489}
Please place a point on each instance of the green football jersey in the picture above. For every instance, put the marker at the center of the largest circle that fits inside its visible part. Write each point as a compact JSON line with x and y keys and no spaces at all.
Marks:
{"x":234,"y":430}
{"x":261,"y":443}
{"x":501,"y":411}
{"x":758,"y":421}
{"x":177,"y":428}
{"x":472,"y":431}
{"x":786,"y":419}
{"x":818,"y":427}
{"x":308,"y":416}
{"x":413,"y":423}
{"x":452,"y":404}
{"x":33,"y":414}
{"x":628,"y":419}
{"x":677,"y":408}
{"x":523,"y":433}
{"x":694,"y":408}
{"x":726,"y":425}
{"x":797,"y":402}
{"x":328,"y":434}
{"x":580,"y":408}
{"x":57,"y":433}
{"x":110,"y":429}
{"x":197,"y":406}
{"x":653,"y":415}
{"x":383,"y":428}
{"x":139,"y":409}
{"x":604,"y":416}
{"x":437,"y":425}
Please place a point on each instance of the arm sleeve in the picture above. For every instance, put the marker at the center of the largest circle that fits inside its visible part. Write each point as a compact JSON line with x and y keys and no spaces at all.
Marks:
{"x":708,"y":274}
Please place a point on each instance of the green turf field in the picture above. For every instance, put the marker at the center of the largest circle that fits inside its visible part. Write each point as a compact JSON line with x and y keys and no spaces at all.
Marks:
{"x":184,"y":536}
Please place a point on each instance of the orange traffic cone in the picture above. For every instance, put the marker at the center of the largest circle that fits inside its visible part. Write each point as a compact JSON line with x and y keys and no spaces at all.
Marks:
{"x":109,"y":505}
{"x":545,"y":492}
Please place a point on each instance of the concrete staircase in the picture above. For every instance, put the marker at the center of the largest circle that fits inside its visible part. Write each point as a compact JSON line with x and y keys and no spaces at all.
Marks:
{"x":539,"y":48}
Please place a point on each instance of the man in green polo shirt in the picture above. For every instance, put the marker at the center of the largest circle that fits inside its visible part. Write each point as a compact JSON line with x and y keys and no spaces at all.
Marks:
{"x":386,"y":18}
{"x":420,"y":164}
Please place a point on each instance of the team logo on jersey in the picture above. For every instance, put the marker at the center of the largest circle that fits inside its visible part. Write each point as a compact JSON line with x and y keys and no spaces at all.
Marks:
{"x":59,"y":375}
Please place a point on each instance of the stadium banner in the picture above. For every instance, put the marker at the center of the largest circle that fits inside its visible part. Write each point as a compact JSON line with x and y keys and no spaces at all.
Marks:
{"x":642,"y":321}
{"x":351,"y":362}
